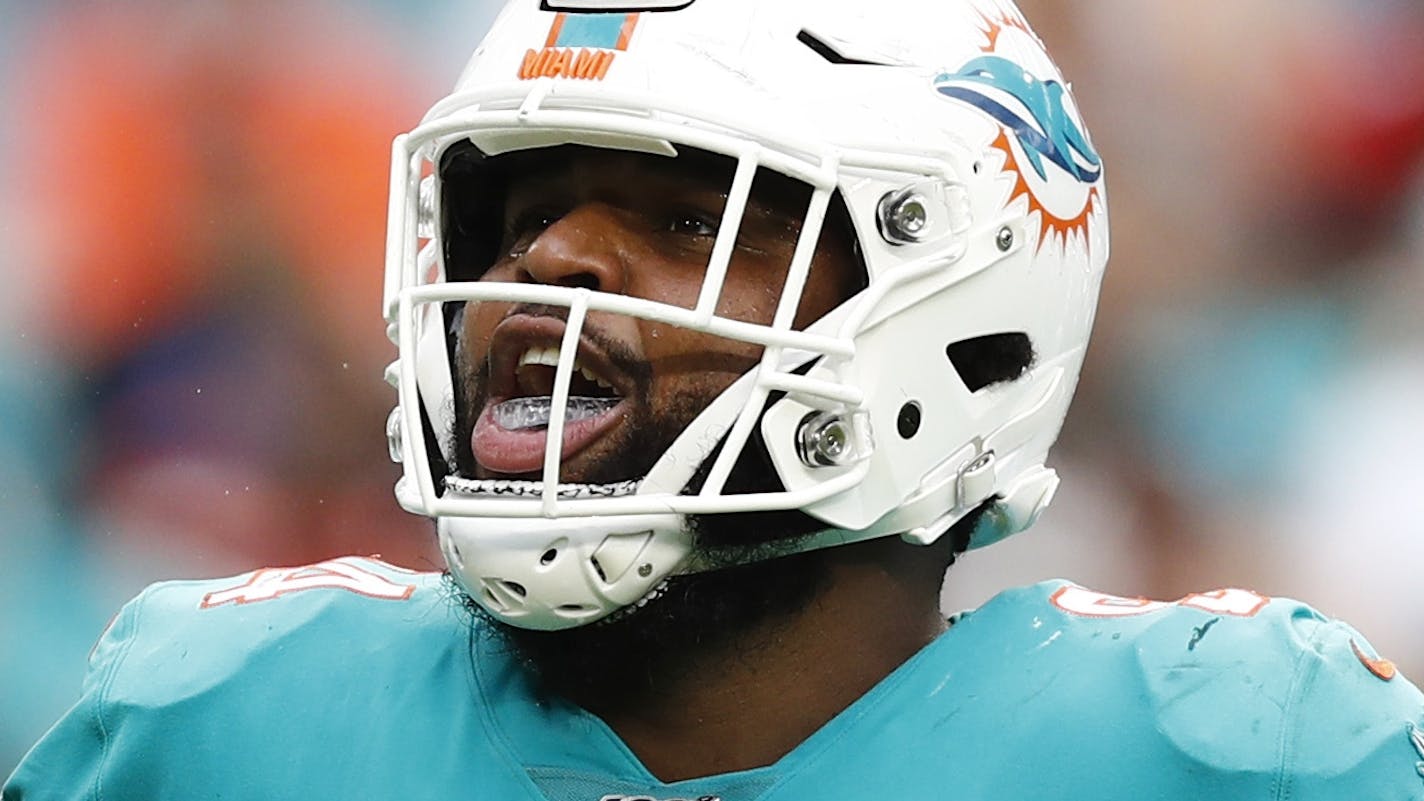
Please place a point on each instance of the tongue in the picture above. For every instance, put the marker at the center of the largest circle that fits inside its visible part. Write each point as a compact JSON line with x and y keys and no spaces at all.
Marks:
{"x":509,"y":437}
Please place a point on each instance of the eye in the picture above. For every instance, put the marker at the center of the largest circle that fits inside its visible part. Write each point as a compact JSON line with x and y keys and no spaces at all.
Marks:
{"x":692,"y":223}
{"x":523,"y":228}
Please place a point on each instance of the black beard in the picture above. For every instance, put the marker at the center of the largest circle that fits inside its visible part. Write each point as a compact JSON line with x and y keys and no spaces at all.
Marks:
{"x":638,"y":653}
{"x":629,"y":659}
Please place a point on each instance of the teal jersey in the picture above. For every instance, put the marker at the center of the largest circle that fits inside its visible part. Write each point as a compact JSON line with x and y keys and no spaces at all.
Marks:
{"x":357,"y":680}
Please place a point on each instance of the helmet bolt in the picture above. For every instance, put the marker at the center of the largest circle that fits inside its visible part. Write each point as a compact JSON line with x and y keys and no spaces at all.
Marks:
{"x":910,"y":216}
{"x":825,"y":441}
{"x":904,"y":217}
{"x":1005,"y":239}
{"x":645,"y":570}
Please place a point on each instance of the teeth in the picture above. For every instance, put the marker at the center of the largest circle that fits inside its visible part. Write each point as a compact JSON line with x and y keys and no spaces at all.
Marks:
{"x":549,"y":357}
{"x":587,"y":373}
{"x":519,"y":414}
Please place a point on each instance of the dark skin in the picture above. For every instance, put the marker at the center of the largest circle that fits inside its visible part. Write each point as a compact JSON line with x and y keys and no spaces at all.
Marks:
{"x":645,"y":226}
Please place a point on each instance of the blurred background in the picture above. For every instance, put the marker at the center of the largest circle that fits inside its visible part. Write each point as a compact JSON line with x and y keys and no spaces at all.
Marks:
{"x":191,"y":225}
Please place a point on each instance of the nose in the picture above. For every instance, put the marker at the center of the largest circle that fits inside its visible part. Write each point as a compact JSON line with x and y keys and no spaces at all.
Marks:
{"x":587,"y":247}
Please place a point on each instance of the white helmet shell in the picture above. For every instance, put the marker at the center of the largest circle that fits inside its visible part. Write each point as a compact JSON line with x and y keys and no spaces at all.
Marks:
{"x":979,"y":209}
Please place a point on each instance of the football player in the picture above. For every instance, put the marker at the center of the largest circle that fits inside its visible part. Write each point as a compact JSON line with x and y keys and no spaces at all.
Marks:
{"x":724,"y":326}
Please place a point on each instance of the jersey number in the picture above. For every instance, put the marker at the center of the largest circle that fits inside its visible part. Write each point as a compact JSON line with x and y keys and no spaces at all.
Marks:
{"x":341,"y":574}
{"x":1088,"y":603}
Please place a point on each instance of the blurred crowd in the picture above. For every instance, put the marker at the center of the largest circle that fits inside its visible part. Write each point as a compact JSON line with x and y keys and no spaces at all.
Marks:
{"x":191,"y":224}
{"x":192,"y":229}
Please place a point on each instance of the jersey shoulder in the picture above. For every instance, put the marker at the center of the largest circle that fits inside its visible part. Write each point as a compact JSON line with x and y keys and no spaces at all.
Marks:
{"x":1237,"y":685}
{"x":217,"y":626}
{"x":294,"y":682}
{"x":183,"y":639}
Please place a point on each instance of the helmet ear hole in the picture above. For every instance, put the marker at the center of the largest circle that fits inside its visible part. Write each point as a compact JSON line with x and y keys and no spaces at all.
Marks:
{"x":907,"y":423}
{"x":990,"y":359}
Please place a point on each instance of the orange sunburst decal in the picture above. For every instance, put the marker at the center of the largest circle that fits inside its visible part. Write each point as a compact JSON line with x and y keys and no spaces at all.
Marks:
{"x":1051,"y":227}
{"x":995,"y":25}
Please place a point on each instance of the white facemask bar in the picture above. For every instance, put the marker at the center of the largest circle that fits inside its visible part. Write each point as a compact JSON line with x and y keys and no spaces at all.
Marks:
{"x":580,"y":302}
{"x":406,"y":292}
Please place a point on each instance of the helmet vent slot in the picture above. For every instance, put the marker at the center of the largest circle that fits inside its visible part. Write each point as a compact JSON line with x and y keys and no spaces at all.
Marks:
{"x":990,"y":359}
{"x":504,"y":591}
{"x":829,"y":53}
{"x":503,"y":595}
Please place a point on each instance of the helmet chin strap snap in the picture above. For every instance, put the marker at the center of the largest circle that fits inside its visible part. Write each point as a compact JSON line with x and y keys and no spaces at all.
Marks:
{"x":1018,"y":506}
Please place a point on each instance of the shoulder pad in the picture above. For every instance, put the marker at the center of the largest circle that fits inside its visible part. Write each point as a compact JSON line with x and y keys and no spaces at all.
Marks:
{"x":1266,"y":690}
{"x":198,"y":634}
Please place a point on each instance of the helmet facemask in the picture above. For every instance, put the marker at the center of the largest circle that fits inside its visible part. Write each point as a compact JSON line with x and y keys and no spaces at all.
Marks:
{"x":705,"y":467}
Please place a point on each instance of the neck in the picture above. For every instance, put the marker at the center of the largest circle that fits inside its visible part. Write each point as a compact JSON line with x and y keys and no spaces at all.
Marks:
{"x":748,"y":700}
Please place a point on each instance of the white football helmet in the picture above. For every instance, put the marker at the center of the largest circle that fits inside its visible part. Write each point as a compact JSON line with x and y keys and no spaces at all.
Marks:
{"x":978,"y":204}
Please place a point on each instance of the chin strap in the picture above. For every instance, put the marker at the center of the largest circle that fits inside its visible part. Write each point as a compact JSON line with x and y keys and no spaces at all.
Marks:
{"x":548,"y":574}
{"x":1022,"y":500}
{"x":518,"y":488}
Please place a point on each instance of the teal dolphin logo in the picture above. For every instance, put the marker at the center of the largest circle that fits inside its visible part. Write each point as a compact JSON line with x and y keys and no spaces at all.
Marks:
{"x":1048,"y":132}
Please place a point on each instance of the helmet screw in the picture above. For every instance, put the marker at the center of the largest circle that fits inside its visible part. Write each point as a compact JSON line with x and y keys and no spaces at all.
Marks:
{"x":824,"y":441}
{"x":904,"y":217}
{"x":1004,"y":239}
{"x":645,"y":570}
{"x":910,"y":216}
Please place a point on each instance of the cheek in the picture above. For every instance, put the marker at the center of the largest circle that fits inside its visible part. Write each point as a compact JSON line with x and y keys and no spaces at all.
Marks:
{"x":751,"y":293}
{"x":674,"y":353}
{"x":673,"y":284}
{"x":688,"y":365}
{"x":479,"y":323}
{"x":831,"y":281}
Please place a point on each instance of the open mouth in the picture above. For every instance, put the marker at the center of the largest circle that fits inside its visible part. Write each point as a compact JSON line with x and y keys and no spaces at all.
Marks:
{"x":589,"y":395}
{"x":511,"y":433}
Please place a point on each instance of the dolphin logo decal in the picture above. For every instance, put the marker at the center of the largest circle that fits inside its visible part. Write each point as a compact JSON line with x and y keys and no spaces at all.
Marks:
{"x":1048,"y":133}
